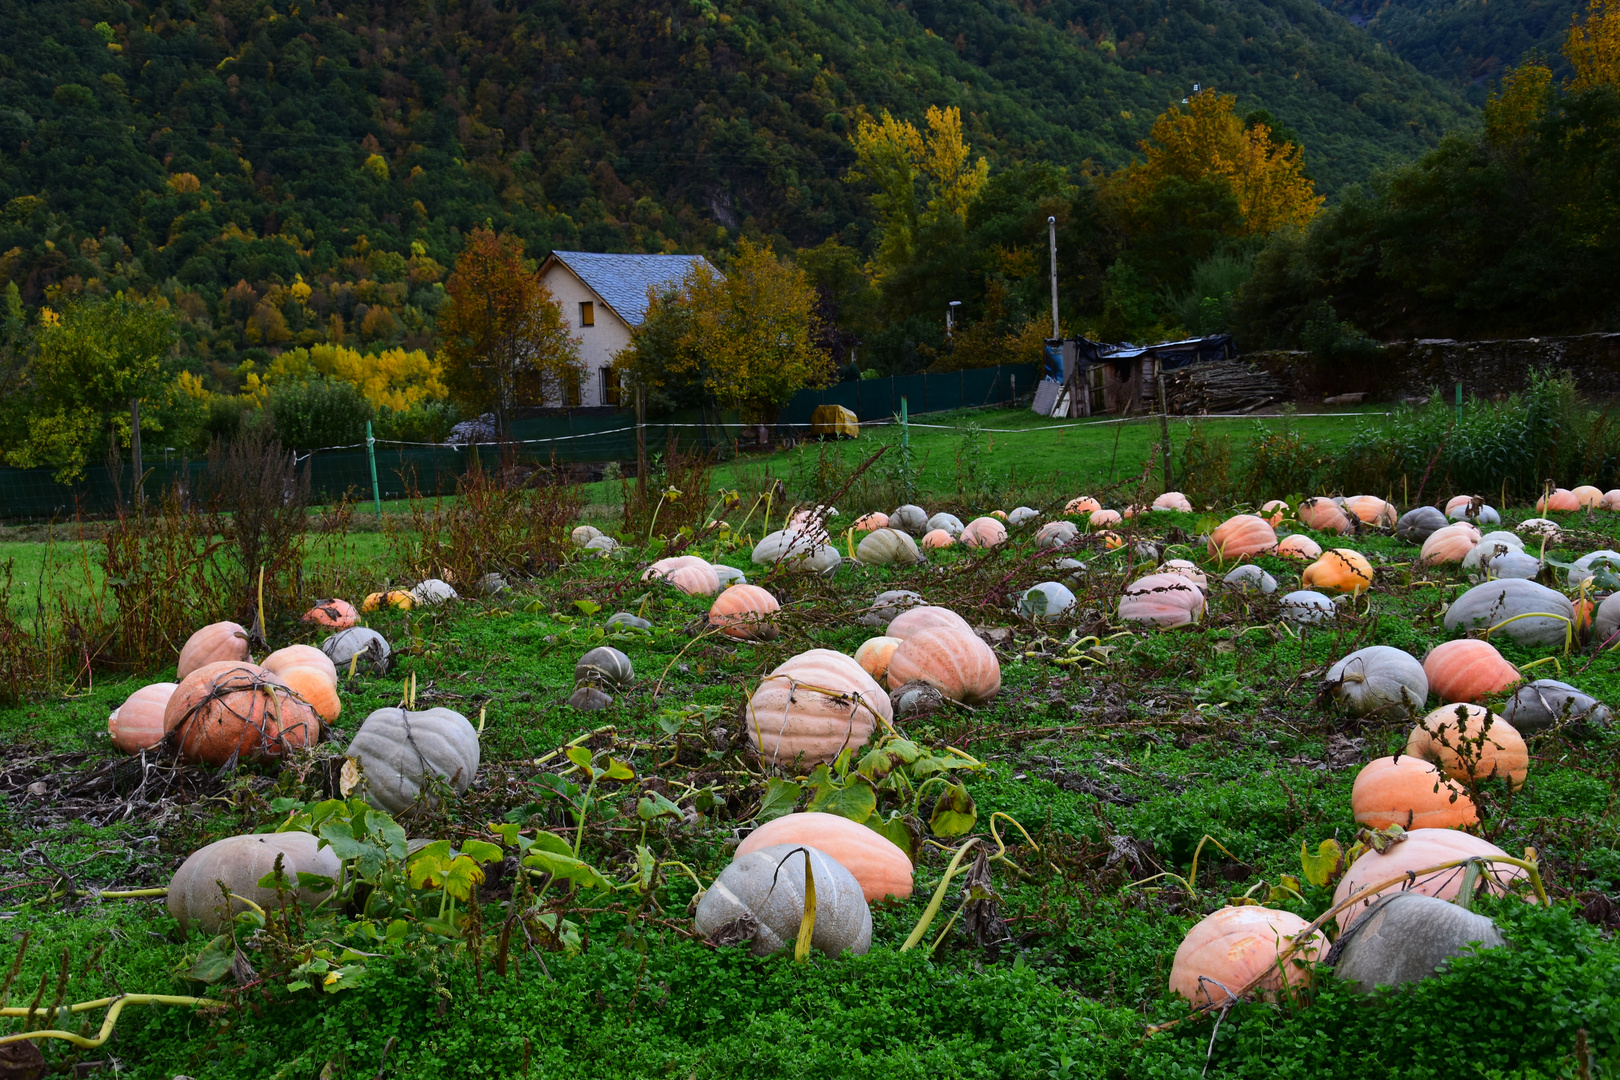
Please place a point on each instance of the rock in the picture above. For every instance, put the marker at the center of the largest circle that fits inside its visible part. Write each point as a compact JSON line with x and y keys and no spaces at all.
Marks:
{"x":1407,"y":937}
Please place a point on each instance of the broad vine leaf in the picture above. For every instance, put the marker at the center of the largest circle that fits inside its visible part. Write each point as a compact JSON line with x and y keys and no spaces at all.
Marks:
{"x":315,"y":882}
{"x":581,"y":757}
{"x":654,"y":805}
{"x":780,"y":795}
{"x":1322,"y":867}
{"x":619,"y":770}
{"x":589,"y":607}
{"x":550,"y":841}
{"x":954,"y":812}
{"x":566,"y":866}
{"x":897,"y":830}
{"x":339,"y":836}
{"x":462,"y":877}
{"x":856,"y":800}
{"x":214,"y":962}
{"x":481,"y":851}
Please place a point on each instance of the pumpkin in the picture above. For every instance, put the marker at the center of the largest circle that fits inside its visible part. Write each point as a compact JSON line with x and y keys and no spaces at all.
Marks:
{"x":1409,"y":792}
{"x":629,"y":621}
{"x":813,"y":706}
{"x":333,"y":614}
{"x":228,"y":711}
{"x":936,"y":539}
{"x":603,"y":544}
{"x":1173,"y":500}
{"x":360,"y":646}
{"x":797,"y":551}
{"x":1467,"y":670}
{"x":396,"y":752}
{"x":663,"y":567}
{"x":239,"y":863}
{"x":1072,"y":569}
{"x":949,"y":522}
{"x":728,"y":575}
{"x":1325,"y":515}
{"x":1611,"y":499}
{"x":909,"y":519}
{"x":882,"y":869}
{"x":1022,"y":515}
{"x":1544,"y":703}
{"x":589,"y":699}
{"x":394,"y":598}
{"x":1241,"y":536}
{"x":1511,"y":564}
{"x":212,"y":644}
{"x":874,"y":655}
{"x":748,"y":612}
{"x":887,"y":547}
{"x":1047,"y":600}
{"x":1056,"y":534}
{"x":1274,"y":511}
{"x":1371,"y":510}
{"x":1298,"y":546}
{"x":917,"y":619}
{"x":952,"y":661}
{"x":1186,"y":569}
{"x":301,"y":656}
{"x":1235,"y":945}
{"x":1607,"y":621}
{"x":1406,"y":937}
{"x":1469,"y":742}
{"x":1306,"y":607}
{"x":1102,"y":519}
{"x":315,"y":687}
{"x":1002,"y":514}
{"x":1587,"y":497}
{"x":1457,"y":501}
{"x":1479,"y":515}
{"x":1422,"y":849}
{"x":1379,"y":681}
{"x":767,"y":885}
{"x":1082,"y":504}
{"x":1557,"y":501}
{"x":1490,"y":545}
{"x":433,"y":591}
{"x":1339,"y":571}
{"x":1417,"y":524}
{"x":139,"y":723}
{"x":875,"y":520}
{"x":1249,"y":577}
{"x":694,"y":580}
{"x":605,"y":666}
{"x":984,"y":532}
{"x":1132,"y":510}
{"x":1448,"y":545}
{"x":887,"y":606}
{"x":1166,"y":600}
{"x":1112,"y":541}
{"x":1587,"y":566}
{"x":1525,"y":611}
{"x":584,"y":534}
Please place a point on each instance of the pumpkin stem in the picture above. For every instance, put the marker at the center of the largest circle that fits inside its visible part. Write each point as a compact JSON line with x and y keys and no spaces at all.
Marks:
{"x":113,"y":1005}
{"x":807,"y":925}
{"x":938,"y":898}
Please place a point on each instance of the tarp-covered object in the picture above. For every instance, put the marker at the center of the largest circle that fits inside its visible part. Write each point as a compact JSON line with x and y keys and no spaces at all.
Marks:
{"x":835,"y":421}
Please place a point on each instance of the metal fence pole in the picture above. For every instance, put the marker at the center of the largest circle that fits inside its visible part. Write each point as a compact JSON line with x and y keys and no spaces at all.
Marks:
{"x":371,"y":455}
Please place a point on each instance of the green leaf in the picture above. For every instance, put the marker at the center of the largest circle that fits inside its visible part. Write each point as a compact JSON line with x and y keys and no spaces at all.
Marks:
{"x":1322,"y":867}
{"x":619,"y":770}
{"x":954,"y":813}
{"x":898,"y":831}
{"x":654,"y":805}
{"x":550,"y":841}
{"x":508,"y":831}
{"x":780,"y":795}
{"x":482,"y":852}
{"x":214,"y":962}
{"x":391,"y":833}
{"x":855,"y":801}
{"x":566,"y":866}
{"x":275,"y":878}
{"x":589,"y":607}
{"x":581,"y":757}
{"x":462,"y":877}
{"x":315,"y":882}
{"x":340,"y":838}
{"x":439,"y":850}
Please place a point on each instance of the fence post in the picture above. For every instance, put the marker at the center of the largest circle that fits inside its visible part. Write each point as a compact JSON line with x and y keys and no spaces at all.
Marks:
{"x":1164,"y":432}
{"x":905,"y":428}
{"x":135,"y":449}
{"x":371,"y":456}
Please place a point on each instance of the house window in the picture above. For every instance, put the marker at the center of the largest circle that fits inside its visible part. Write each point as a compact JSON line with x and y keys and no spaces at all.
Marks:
{"x":570,"y":388}
{"x":610,"y":386}
{"x":587,"y":313}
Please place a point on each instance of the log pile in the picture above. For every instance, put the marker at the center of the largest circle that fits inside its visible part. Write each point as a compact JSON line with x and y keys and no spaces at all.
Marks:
{"x":1220,"y":386}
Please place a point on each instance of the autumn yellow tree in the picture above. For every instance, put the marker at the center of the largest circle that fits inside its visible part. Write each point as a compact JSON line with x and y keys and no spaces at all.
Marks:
{"x":1592,"y":47}
{"x":1207,"y":141}
{"x":1514,"y":109}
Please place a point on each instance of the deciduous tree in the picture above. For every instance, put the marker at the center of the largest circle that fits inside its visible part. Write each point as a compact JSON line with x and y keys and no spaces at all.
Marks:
{"x":1593,"y":47}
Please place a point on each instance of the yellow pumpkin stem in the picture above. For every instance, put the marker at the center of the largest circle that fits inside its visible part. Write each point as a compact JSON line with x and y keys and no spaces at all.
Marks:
{"x":113,"y":1005}
{"x":938,"y":898}
{"x":807,"y":925}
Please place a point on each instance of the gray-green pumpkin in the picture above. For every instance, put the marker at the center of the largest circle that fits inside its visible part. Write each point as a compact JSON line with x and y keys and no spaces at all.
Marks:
{"x":240,"y":862}
{"x":1048,"y":600}
{"x":1306,"y":606}
{"x":887,"y":547}
{"x":605,"y":666}
{"x":887,"y":606}
{"x":1380,"y":681}
{"x":1250,"y":578}
{"x":1547,"y":615}
{"x":1407,"y":937}
{"x":797,"y":550}
{"x":1546,"y":703}
{"x":397,"y":751}
{"x":949,"y":522}
{"x":910,"y":519}
{"x":1416,"y":524}
{"x":367,"y":649}
{"x":769,"y":886}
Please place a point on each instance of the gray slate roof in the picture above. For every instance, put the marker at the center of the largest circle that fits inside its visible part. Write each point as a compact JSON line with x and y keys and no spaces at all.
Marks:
{"x":623,"y":280}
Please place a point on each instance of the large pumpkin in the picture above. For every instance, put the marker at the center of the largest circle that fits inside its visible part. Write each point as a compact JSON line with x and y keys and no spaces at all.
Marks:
{"x":239,"y":863}
{"x":874,"y":655}
{"x":1457,"y":502}
{"x":1163,"y":600}
{"x":949,"y":522}
{"x":887,"y":606}
{"x":294,"y":656}
{"x":398,"y":751}
{"x":1379,"y":681}
{"x":228,"y":711}
{"x":138,"y":724}
{"x":1298,"y":546}
{"x":316,"y":688}
{"x":1371,"y":510}
{"x":812,"y":707}
{"x":1102,"y":519}
{"x":1545,"y":703}
{"x":1409,"y":792}
{"x":674,"y":562}
{"x":1305,"y":607}
{"x":1250,"y":578}
{"x":1274,"y":511}
{"x":1558,"y":501}
{"x":360,"y":647}
{"x":909,"y":518}
{"x":1407,"y":937}
{"x":936,"y":539}
{"x":210,"y":645}
{"x":1339,"y":571}
{"x":984,"y":532}
{"x":1325,"y":515}
{"x":796,"y":550}
{"x":1449,"y":545}
{"x":334,"y":614}
{"x":1468,"y":670}
{"x":583,"y":534}
{"x":877,"y":519}
{"x":1056,"y":534}
{"x":887,"y":547}
{"x":767,"y":886}
{"x":915,"y":620}
{"x":1082,"y":504}
{"x":1422,"y":849}
{"x":1187,"y":569}
{"x":1241,"y":536}
{"x":1173,"y":500}
{"x":394,"y":598}
{"x":605,"y":666}
{"x":1419,"y":523}
{"x":882,"y":869}
{"x":1235,"y":945}
{"x":1587,"y":497}
{"x":954,"y":662}
{"x":1611,"y":499}
{"x":1527,"y":612}
{"x":694,"y":580}
{"x":746,"y":612}
{"x":1471,"y":742}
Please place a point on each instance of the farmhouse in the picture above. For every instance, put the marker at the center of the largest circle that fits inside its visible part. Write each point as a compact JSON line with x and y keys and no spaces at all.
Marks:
{"x":604,"y":297}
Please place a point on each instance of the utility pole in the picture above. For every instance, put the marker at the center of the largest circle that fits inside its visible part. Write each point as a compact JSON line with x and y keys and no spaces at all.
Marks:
{"x":1051,"y":242}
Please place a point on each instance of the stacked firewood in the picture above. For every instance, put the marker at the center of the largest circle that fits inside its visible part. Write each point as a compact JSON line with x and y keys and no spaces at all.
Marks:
{"x":1220,"y":386}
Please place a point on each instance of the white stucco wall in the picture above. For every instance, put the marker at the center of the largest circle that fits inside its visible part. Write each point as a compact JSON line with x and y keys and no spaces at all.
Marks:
{"x":598,"y":343}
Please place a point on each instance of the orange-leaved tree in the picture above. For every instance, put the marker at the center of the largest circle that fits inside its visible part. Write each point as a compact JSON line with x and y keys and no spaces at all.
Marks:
{"x":1592,"y":47}
{"x":1207,"y":141}
{"x":502,"y":338}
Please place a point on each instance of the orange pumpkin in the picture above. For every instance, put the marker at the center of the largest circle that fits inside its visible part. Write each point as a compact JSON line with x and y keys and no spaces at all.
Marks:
{"x":1235,"y":945}
{"x":1340,"y":570}
{"x":334,"y":614}
{"x":311,"y":684}
{"x":1102,"y":519}
{"x":1082,"y":504}
{"x":394,"y":598}
{"x":210,"y":645}
{"x":746,"y":612}
{"x":1173,"y":500}
{"x":954,"y":662}
{"x":1409,"y":792}
{"x":1587,"y":497}
{"x":1299,"y":546}
{"x":1112,"y":541}
{"x":1372,"y":510}
{"x":301,"y":656}
{"x":924,"y":617}
{"x":984,"y":532}
{"x":1166,"y":600}
{"x":228,"y":710}
{"x":812,"y":707}
{"x":882,"y":869}
{"x":694,"y":580}
{"x":937,"y":538}
{"x":1002,"y":514}
{"x":1611,"y":499}
{"x":1422,"y":849}
{"x":1471,"y":742}
{"x":874,"y":655}
{"x":1325,"y":515}
{"x":1241,"y":536}
{"x":1274,"y":511}
{"x":1467,"y":669}
{"x":1456,"y":501}
{"x":138,"y":724}
{"x":875,"y":520}
{"x":1450,"y":544}
{"x":1557,"y":501}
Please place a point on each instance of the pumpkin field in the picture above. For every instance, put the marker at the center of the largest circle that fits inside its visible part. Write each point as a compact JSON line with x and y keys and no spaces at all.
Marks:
{"x":765,"y":781}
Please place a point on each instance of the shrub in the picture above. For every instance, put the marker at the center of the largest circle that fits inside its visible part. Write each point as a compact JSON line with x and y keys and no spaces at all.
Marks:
{"x":318,"y":412}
